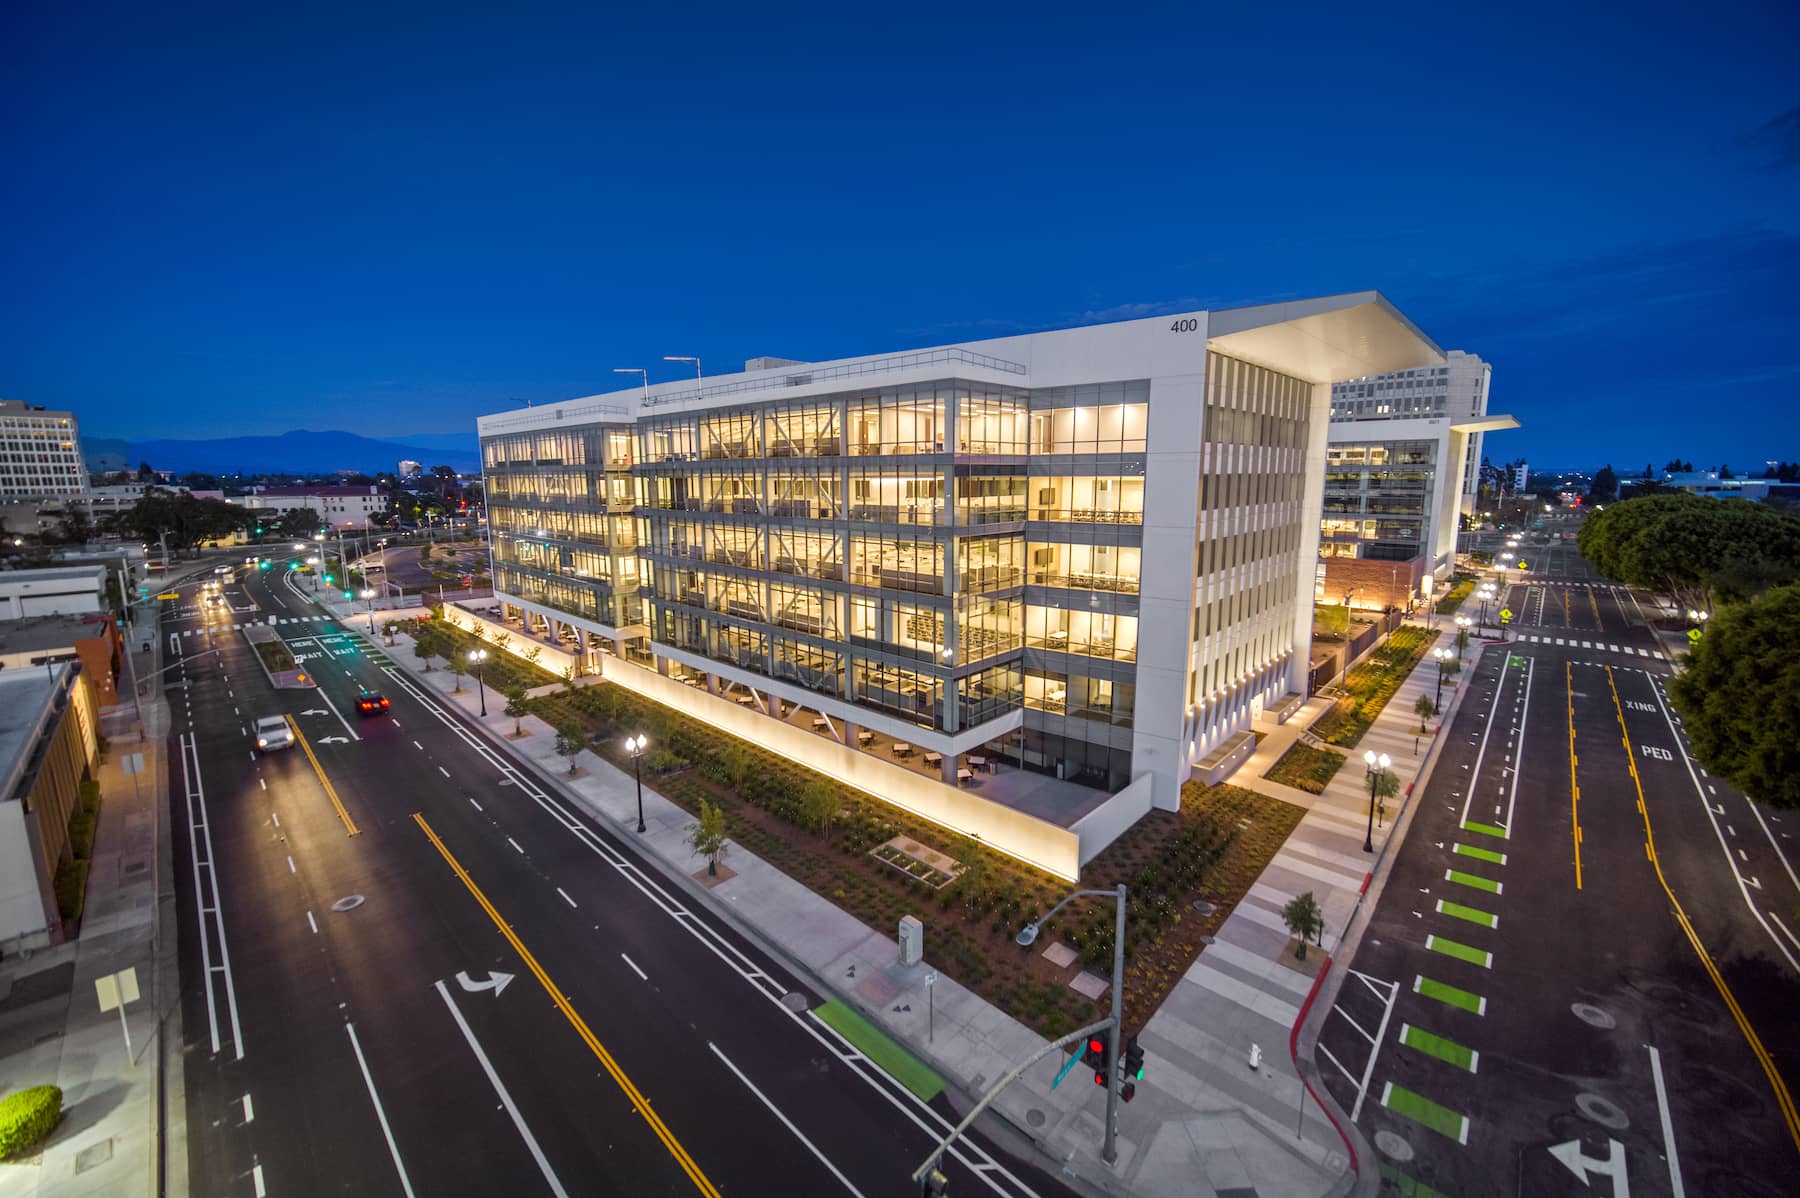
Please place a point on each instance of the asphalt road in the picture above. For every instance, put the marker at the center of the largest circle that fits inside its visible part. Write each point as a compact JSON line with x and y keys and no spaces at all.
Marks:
{"x":1525,"y":976}
{"x":408,"y":969}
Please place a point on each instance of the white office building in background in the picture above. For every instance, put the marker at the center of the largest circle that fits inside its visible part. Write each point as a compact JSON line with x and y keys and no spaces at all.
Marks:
{"x":40,"y":453}
{"x":1089,"y":553}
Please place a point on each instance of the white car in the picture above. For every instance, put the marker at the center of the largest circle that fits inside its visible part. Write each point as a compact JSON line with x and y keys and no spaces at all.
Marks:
{"x":221,"y":569}
{"x":272,"y":732}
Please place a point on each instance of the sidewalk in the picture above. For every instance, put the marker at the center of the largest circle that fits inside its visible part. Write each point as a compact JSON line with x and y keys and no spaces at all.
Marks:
{"x":51,"y":1029}
{"x":1202,"y":1121}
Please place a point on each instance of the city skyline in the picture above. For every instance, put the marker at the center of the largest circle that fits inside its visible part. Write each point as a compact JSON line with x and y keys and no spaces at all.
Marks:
{"x":403,"y":228}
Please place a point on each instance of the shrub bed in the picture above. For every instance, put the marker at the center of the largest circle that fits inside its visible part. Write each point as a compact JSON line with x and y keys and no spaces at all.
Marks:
{"x":1461,"y":588}
{"x":27,"y":1117}
{"x":71,"y":888}
{"x":502,"y":667}
{"x":1370,"y":685}
{"x":275,"y":655}
{"x":81,"y":833}
{"x":1306,"y":768}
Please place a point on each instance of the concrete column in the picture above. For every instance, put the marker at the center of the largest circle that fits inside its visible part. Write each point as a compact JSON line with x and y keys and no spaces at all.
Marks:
{"x":949,"y":769}
{"x":712,"y":684}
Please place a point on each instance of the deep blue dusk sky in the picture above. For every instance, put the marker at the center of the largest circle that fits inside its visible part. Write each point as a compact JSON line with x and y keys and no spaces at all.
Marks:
{"x":389,"y":219}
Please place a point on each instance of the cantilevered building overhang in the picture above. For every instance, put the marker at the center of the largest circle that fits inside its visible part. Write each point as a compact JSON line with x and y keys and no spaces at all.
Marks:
{"x":1085,"y":556}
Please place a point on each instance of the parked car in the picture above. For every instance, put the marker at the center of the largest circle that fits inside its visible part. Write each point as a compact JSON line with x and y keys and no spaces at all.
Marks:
{"x":272,"y":732}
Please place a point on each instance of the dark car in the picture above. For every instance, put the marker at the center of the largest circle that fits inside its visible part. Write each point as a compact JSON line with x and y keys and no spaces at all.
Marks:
{"x":370,"y":703}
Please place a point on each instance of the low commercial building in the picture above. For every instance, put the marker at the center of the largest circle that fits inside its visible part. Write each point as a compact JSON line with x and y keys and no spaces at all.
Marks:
{"x":338,"y":507}
{"x":53,"y":590}
{"x":49,"y":737}
{"x":1088,"y":554}
{"x":94,"y":641}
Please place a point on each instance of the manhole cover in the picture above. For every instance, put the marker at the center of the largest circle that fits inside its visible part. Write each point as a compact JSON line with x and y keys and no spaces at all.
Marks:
{"x":1593,"y":1016}
{"x":1393,"y":1146}
{"x":349,"y":902}
{"x":1034,"y":1117}
{"x":794,"y":1000}
{"x":1602,"y":1111}
{"x":94,"y":1155}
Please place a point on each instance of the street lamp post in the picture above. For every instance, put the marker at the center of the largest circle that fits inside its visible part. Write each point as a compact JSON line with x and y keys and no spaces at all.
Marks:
{"x":685,"y":358}
{"x":1442,"y":654}
{"x":643,"y":377}
{"x":476,"y":657}
{"x":1027,"y":936}
{"x":368,"y":594}
{"x":635,"y":746}
{"x":1376,"y":766}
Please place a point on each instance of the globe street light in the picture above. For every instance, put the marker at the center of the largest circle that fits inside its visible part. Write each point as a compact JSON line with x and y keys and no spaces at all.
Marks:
{"x":368,"y":594}
{"x":476,"y":657}
{"x":635,"y":746}
{"x":1377,"y":766}
{"x":1443,"y":655}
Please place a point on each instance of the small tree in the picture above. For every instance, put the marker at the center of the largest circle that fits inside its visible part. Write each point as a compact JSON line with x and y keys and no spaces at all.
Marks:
{"x":819,"y":805}
{"x":536,"y":652}
{"x":1387,"y":785}
{"x":568,"y":677}
{"x":707,"y":837}
{"x":458,"y":667}
{"x":1426,"y":709}
{"x":424,"y":646}
{"x":478,"y":630}
{"x":515,"y":705}
{"x":571,"y":739}
{"x":1304,"y":920}
{"x":1462,"y":639}
{"x":502,"y":640}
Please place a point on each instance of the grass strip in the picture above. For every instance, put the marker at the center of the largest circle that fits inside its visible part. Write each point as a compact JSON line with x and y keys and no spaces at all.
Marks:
{"x":1485,"y":829}
{"x":873,"y":1043}
{"x":1437,"y":1046}
{"x":1458,"y":911}
{"x":1461,"y":952}
{"x":1488,"y":855}
{"x":1423,"y":1111}
{"x":1450,"y":995}
{"x":1463,"y":879}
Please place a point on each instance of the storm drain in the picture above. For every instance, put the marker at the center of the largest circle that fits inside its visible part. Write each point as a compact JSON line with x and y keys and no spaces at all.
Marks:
{"x":795,"y":1000}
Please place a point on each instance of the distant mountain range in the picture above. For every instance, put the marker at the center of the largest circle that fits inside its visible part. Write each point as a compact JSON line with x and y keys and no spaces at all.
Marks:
{"x":297,"y":452}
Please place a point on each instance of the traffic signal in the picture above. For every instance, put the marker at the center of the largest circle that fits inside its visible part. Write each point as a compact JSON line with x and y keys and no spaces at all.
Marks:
{"x":263,"y":564}
{"x":1099,"y":1057}
{"x":328,"y":580}
{"x":1134,"y":1059}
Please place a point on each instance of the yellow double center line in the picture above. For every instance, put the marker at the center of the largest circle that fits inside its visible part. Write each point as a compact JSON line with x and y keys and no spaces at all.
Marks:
{"x":638,"y":1102}
{"x":1782,"y":1097}
{"x":1574,"y":788}
{"x":330,"y":790}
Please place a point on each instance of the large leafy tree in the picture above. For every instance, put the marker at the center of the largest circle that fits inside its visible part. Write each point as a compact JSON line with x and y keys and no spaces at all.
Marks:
{"x":1605,"y":487}
{"x":187,"y":520}
{"x":1739,"y":696}
{"x":1696,"y":550}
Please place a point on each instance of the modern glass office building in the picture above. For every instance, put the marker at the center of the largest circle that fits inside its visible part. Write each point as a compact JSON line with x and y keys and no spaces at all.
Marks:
{"x":1086,"y":554}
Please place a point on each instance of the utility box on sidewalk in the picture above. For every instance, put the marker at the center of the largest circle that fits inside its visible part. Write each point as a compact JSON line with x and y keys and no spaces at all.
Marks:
{"x":912,"y":940}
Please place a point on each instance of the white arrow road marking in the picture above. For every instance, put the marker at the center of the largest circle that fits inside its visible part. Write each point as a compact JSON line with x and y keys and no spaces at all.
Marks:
{"x":334,"y":740}
{"x":1570,"y":1154}
{"x":496,"y":981}
{"x":315,"y":711}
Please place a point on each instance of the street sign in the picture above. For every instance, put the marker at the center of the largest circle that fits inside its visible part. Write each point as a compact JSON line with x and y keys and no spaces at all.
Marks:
{"x":1506,"y":613}
{"x":1693,"y":636}
{"x":1524,"y":565}
{"x":170,"y":595}
{"x":114,"y":991}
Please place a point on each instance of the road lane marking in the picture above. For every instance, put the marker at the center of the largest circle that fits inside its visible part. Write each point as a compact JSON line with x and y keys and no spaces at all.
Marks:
{"x":1783,"y":1099}
{"x":1458,"y":911}
{"x":312,"y":923}
{"x":1479,"y":883}
{"x":1668,"y":1124}
{"x":199,"y":822}
{"x":263,"y":783}
{"x":291,"y":868}
{"x":1426,"y":1113}
{"x":1574,"y":787}
{"x":1488,"y":855}
{"x":330,"y":790}
{"x":642,"y":976}
{"x":1437,"y":1046}
{"x":1451,"y":995}
{"x":1462,"y":952}
{"x":418,"y":746}
{"x":565,"y":896}
{"x":275,"y":819}
{"x":256,"y":1181}
{"x":639,"y":1103}
{"x":515,"y":845}
{"x":785,"y":1121}
{"x":249,"y":1110}
{"x":380,"y":1114}
{"x":1524,"y":715}
{"x":474,"y":804}
{"x":1485,"y":829}
{"x":990,"y":1170}
{"x":487,"y":1067}
{"x":340,"y":715}
{"x":443,"y":771}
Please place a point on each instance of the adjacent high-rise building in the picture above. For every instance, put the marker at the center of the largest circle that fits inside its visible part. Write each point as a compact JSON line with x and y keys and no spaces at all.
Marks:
{"x":1402,"y":463}
{"x":1088,"y":553}
{"x":40,"y":453}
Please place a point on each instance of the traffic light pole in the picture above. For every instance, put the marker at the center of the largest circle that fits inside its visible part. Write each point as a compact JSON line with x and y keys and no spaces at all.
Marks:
{"x":1012,"y":1075}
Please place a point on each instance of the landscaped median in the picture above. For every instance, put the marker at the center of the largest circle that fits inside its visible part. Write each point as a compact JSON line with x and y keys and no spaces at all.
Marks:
{"x":276,"y":659}
{"x":879,"y":863}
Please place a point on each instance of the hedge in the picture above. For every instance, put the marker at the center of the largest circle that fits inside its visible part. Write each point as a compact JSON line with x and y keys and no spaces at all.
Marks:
{"x":71,"y":888}
{"x":81,"y":834}
{"x":90,"y":795}
{"x":27,"y":1118}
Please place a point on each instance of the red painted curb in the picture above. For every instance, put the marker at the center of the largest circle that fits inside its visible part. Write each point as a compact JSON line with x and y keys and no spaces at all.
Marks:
{"x":1294,"y":1056}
